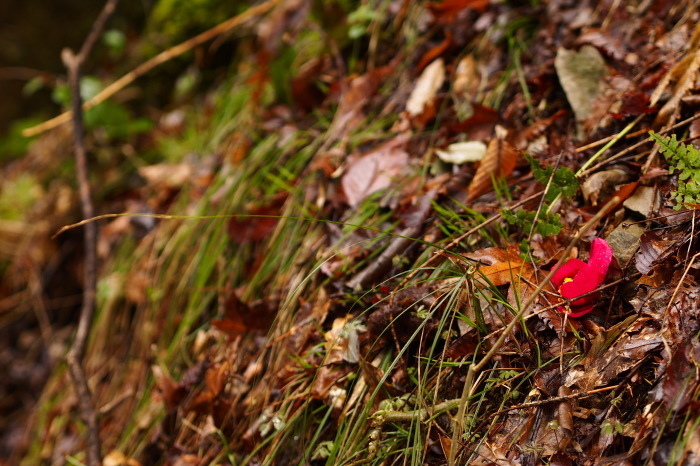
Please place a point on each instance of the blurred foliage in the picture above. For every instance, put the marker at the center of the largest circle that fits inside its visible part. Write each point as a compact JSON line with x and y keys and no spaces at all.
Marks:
{"x":18,"y":195}
{"x":173,"y":21}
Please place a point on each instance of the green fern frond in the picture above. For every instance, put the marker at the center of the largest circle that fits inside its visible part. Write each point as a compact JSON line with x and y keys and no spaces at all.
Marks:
{"x":683,"y":159}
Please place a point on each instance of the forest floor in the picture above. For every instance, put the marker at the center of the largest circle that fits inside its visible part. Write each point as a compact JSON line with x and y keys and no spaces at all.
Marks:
{"x":383,"y":232}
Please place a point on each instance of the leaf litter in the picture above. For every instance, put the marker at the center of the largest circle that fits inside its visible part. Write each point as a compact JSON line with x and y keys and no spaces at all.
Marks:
{"x":301,"y":338}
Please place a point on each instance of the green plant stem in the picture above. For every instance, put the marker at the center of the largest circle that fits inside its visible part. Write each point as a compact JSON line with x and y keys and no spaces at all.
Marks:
{"x":595,"y":156}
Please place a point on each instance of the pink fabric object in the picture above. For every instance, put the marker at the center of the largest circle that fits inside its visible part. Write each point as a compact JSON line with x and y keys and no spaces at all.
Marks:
{"x":576,"y":277}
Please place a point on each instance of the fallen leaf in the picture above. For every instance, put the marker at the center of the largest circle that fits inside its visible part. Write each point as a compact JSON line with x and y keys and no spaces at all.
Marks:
{"x":599,"y":185}
{"x":506,"y":267}
{"x":684,"y":86}
{"x":448,"y":8}
{"x":580,"y":75}
{"x":435,"y":52}
{"x":375,"y":170}
{"x":651,"y":248}
{"x":481,"y":123}
{"x":357,"y":92}
{"x":500,"y":161}
{"x":427,"y":85}
{"x":166,"y":175}
{"x":241,"y":318}
{"x":466,"y":76}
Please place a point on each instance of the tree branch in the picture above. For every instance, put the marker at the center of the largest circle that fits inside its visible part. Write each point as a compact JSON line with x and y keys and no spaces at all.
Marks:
{"x":76,"y":354}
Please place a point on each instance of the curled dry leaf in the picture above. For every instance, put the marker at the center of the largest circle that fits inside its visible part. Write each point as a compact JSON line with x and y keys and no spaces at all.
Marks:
{"x":466,"y":76}
{"x":651,"y":248}
{"x":601,"y":183}
{"x":427,"y":85}
{"x":507,"y":267}
{"x":500,"y":161}
{"x":435,"y":52}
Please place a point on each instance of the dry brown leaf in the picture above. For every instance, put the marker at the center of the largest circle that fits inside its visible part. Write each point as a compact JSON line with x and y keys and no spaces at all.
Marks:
{"x":466,"y":76}
{"x":500,"y":161}
{"x":505,"y":268}
{"x":446,"y":9}
{"x":435,"y":52}
{"x":600,"y":183}
{"x":685,"y":84}
{"x":357,"y":92}
{"x":375,"y":170}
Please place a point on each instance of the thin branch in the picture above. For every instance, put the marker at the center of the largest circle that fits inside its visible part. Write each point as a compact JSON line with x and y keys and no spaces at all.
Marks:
{"x":76,"y":354}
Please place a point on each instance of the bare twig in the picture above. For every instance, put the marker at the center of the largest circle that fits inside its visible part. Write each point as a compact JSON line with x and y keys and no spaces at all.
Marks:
{"x":159,"y":59}
{"x":76,"y":354}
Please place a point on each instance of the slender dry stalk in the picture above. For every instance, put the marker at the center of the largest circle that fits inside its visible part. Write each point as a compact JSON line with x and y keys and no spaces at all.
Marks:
{"x":76,"y":354}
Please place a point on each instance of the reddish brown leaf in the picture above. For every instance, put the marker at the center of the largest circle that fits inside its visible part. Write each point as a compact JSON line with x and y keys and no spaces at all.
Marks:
{"x":434,"y":52}
{"x":448,"y":8}
{"x":245,"y":230}
{"x":241,"y":318}
{"x":482,"y":121}
{"x":500,"y":161}
{"x":506,"y":267}
{"x":357,"y":92}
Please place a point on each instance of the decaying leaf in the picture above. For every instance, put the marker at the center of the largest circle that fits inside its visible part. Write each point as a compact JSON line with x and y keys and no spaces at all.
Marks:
{"x":358,"y":91}
{"x":375,"y":170}
{"x":342,"y":345}
{"x":638,"y":341}
{"x":435,"y":52}
{"x":446,"y":9}
{"x":600,"y":183}
{"x":258,"y":223}
{"x":580,"y":75}
{"x":650,"y":249}
{"x":499,"y":162}
{"x":506,"y":267}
